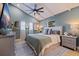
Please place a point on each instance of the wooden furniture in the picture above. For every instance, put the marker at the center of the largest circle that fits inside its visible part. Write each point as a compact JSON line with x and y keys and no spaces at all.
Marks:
{"x":70,"y":41}
{"x":7,"y":45}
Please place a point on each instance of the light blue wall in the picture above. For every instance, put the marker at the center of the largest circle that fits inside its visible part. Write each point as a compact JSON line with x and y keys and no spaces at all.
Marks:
{"x":18,"y":15}
{"x":60,"y":19}
{"x":63,"y":18}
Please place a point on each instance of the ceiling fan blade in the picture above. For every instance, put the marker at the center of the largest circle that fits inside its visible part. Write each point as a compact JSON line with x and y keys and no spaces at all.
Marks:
{"x":28,"y":10}
{"x":35,"y":6}
{"x":27,"y":6}
{"x":40,"y":8}
{"x":40,"y":11}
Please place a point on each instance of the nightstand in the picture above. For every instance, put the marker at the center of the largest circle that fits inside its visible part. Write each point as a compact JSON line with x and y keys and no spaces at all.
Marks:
{"x":70,"y":41}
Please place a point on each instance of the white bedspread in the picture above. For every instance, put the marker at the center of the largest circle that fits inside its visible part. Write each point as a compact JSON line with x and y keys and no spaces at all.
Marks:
{"x":54,"y":37}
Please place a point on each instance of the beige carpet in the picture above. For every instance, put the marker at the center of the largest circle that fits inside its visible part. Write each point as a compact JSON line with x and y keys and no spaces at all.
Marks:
{"x":71,"y":53}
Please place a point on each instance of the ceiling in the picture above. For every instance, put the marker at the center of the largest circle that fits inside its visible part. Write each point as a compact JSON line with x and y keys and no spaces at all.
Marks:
{"x":50,"y":9}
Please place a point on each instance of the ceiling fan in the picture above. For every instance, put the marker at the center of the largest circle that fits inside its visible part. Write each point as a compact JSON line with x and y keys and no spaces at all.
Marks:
{"x":35,"y":10}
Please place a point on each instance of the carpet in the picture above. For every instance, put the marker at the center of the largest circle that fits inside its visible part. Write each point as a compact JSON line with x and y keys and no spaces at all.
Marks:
{"x":71,"y":53}
{"x":22,"y":49}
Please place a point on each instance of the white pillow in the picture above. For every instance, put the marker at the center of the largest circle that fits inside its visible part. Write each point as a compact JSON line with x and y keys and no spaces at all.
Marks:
{"x":45,"y":30}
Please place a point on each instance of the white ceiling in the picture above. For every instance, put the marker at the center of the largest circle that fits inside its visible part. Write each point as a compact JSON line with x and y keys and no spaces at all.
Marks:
{"x":50,"y":9}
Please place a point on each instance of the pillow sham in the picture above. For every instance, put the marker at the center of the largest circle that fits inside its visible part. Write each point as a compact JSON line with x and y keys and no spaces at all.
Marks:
{"x":55,"y":32}
{"x":47,"y":31}
{"x":51,"y":30}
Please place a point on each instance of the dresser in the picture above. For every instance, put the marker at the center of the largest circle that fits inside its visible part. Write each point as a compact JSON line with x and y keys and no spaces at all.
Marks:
{"x":7,"y":45}
{"x":70,"y":41}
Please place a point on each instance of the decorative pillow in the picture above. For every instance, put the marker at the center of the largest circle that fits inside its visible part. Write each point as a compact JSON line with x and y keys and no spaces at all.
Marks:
{"x":53,"y":32}
{"x":56,"y":32}
{"x":50,"y":32}
{"x":47,"y":31}
{"x":44,"y":31}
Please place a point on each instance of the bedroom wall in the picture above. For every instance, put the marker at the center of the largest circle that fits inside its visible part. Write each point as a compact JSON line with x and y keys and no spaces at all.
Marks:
{"x":64,"y":19}
{"x":18,"y":15}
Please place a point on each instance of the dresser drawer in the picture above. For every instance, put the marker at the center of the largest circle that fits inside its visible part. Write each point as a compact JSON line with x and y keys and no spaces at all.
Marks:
{"x":68,"y":45}
{"x":69,"y":38}
{"x":70,"y":41}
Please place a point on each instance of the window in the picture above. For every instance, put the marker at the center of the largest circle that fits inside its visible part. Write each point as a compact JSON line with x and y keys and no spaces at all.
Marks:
{"x":22,"y":25}
{"x":30,"y":26}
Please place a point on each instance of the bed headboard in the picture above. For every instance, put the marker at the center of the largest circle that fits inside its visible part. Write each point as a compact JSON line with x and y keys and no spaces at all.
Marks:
{"x":56,"y":28}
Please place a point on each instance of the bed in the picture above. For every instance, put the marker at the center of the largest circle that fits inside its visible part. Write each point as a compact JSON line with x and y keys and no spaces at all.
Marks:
{"x":42,"y":43}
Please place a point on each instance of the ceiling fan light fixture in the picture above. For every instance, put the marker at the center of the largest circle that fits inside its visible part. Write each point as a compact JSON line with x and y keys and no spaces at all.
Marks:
{"x":35,"y":10}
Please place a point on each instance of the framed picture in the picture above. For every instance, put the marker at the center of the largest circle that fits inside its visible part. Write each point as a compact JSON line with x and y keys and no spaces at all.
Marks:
{"x":51,"y":23}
